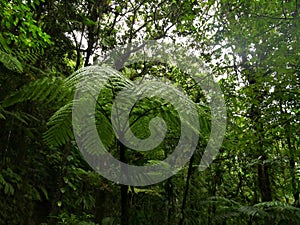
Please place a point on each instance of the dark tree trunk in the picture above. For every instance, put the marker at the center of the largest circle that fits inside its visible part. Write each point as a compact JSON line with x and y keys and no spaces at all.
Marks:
{"x":264,"y":181}
{"x":100,"y":206}
{"x":255,"y":115}
{"x":170,"y":201}
{"x":124,"y":192}
{"x":186,"y":191}
{"x":124,"y":205}
{"x":293,"y":170}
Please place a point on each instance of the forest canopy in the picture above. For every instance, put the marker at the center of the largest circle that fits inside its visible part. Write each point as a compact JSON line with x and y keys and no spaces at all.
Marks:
{"x":250,"y":48}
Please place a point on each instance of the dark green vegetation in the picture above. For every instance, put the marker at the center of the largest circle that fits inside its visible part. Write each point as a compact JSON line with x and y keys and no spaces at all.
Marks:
{"x":252,"y":46}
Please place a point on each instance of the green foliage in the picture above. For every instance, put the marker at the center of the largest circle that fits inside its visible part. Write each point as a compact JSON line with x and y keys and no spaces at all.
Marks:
{"x":60,"y":127}
{"x":278,"y":212}
{"x":65,"y":219}
{"x":17,"y":16}
{"x":11,"y":62}
{"x":47,"y":90}
{"x":252,"y":48}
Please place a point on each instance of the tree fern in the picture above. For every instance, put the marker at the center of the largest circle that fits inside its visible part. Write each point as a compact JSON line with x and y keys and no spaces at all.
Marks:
{"x":50,"y":89}
{"x":91,"y":79}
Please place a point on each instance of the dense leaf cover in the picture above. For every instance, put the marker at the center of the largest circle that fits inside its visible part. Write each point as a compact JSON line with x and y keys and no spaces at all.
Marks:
{"x":252,"y":49}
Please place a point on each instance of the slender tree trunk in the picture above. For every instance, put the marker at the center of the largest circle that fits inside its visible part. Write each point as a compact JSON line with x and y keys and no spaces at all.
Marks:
{"x":263,"y":178}
{"x":293,"y":170}
{"x":124,"y":192}
{"x":170,"y":201}
{"x":186,"y":191}
{"x":124,"y":205}
{"x":264,"y":181}
{"x":292,"y":164}
{"x":100,"y":206}
{"x":91,"y":35}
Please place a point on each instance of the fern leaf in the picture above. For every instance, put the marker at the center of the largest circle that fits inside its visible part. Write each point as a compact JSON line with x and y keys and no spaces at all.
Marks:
{"x":2,"y":112}
{"x":22,"y":116}
{"x":10,"y":62}
{"x":60,"y":127}
{"x":94,"y":77}
{"x":44,"y":90}
{"x":98,"y":75}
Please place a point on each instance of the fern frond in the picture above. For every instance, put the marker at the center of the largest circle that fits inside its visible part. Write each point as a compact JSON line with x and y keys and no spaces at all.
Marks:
{"x":21,"y":116}
{"x":276,"y":205}
{"x":95,"y":76}
{"x":164,"y":95}
{"x":280,"y":211}
{"x":28,"y":55}
{"x":276,"y":211}
{"x":222,"y":200}
{"x":252,"y":211}
{"x":60,"y":124}
{"x":11,"y":62}
{"x":3,"y":45}
{"x":221,"y":217}
{"x":91,"y":79}
{"x":60,"y":127}
{"x":2,"y":112}
{"x":44,"y":90}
